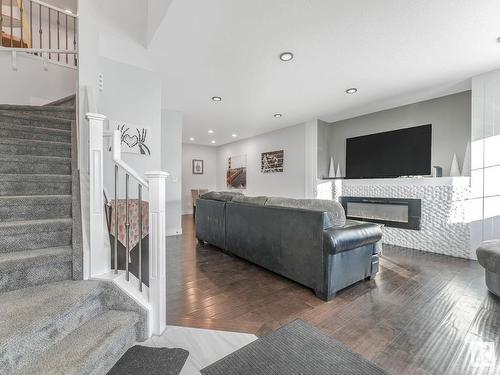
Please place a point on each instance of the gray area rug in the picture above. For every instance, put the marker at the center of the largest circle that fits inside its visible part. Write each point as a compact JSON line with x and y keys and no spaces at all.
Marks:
{"x":151,"y":361}
{"x":296,"y":348}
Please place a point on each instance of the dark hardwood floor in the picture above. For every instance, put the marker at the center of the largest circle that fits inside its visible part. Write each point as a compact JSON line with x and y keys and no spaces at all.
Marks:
{"x":423,"y":314}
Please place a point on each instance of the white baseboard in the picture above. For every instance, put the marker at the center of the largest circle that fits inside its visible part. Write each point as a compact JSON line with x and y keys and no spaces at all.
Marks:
{"x":174,"y":232}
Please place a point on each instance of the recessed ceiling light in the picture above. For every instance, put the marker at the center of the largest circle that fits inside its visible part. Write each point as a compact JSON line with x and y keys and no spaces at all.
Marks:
{"x":212,"y":142}
{"x":233,"y":135}
{"x":286,"y":56}
{"x":210,"y":131}
{"x":191,"y":139}
{"x":278,"y":115}
{"x":352,"y":90}
{"x":216,"y":98}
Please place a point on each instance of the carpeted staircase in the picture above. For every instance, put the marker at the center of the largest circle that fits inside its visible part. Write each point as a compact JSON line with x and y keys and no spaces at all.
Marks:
{"x":49,"y":322}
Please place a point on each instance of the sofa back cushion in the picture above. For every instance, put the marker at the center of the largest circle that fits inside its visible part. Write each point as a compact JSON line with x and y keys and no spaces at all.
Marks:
{"x":223,"y":196}
{"x":260,"y":201}
{"x":334,"y":210}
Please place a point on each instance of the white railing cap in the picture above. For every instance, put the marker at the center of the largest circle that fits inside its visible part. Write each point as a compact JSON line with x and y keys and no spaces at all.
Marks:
{"x":57,"y":9}
{"x":95,"y":116}
{"x":156,"y":174}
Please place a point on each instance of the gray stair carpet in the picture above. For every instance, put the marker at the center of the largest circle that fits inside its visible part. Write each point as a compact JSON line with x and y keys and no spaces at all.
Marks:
{"x":50,"y":323}
{"x":35,"y":195}
{"x":66,"y":327}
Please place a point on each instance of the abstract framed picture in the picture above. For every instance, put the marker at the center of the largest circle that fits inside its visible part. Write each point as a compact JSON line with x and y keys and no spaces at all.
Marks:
{"x":135,"y":139}
{"x":197,"y":166}
{"x":236,"y":176}
{"x":272,"y":162}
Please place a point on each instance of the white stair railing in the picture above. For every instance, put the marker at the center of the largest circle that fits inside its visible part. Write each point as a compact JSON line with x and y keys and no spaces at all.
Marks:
{"x":155,"y":184}
{"x":40,"y":29}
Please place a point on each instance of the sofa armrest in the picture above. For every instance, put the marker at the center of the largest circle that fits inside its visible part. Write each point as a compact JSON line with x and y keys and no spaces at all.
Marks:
{"x":351,"y":236}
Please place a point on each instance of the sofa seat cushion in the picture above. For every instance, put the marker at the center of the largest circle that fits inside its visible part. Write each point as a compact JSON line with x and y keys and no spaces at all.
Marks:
{"x":334,"y":211}
{"x":488,"y":255}
{"x":223,"y":196}
{"x":352,"y":235}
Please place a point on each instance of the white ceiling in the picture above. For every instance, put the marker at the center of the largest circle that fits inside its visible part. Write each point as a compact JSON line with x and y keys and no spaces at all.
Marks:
{"x":393,"y":51}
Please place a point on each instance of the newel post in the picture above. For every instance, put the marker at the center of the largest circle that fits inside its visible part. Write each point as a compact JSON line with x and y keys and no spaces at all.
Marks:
{"x":157,"y":181}
{"x":99,"y":260}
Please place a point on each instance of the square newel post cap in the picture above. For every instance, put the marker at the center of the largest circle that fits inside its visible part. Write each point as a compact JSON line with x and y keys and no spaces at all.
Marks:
{"x":95,"y":116}
{"x":156,"y":174}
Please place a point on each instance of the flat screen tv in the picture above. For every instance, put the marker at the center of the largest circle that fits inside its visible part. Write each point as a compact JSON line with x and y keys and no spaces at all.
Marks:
{"x":404,"y":152}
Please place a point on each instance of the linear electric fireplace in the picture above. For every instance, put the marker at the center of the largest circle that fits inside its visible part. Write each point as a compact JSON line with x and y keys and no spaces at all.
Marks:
{"x":393,"y":212}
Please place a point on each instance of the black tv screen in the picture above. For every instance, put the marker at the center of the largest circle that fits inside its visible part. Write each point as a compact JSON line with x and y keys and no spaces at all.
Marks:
{"x":404,"y":152}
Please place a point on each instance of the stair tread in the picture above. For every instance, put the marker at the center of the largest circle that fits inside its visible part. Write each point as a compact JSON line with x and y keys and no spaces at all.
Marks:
{"x":15,"y":208}
{"x":64,"y":100}
{"x":92,"y":348}
{"x":53,"y":108}
{"x":21,"y":223}
{"x":35,"y":184}
{"x":24,"y":310}
{"x":35,"y":142}
{"x":24,"y":258}
{"x":38,"y":129}
{"x":34,"y":176}
{"x":34,"y":157}
{"x":36,"y":196}
{"x":37,"y":117}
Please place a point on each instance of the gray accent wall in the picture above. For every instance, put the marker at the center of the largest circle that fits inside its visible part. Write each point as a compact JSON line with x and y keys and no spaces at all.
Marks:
{"x":450,"y":117}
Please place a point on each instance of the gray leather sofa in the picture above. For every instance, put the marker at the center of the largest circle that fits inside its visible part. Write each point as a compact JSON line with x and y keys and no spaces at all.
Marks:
{"x":304,"y":245}
{"x":488,"y":256}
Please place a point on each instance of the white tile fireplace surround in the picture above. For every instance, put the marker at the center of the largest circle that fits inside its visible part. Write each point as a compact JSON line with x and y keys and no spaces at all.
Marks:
{"x":444,"y":225}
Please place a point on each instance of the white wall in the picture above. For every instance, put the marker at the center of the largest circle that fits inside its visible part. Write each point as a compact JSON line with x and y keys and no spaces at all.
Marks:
{"x":207,"y":180}
{"x":172,"y":162}
{"x":157,"y":10}
{"x":111,"y":41}
{"x":449,"y":116}
{"x":64,"y":4}
{"x":131,"y":95}
{"x":290,"y":183}
{"x":485,"y":158}
{"x":33,"y":85}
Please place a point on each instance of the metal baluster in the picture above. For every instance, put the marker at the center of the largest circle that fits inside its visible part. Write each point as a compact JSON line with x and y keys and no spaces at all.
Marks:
{"x":1,"y":23}
{"x":11,"y":25}
{"x":140,"y":237}
{"x":21,"y":11}
{"x":127,"y":228}
{"x":31,"y":24}
{"x":66,"y":37}
{"x":40,"y":24}
{"x":58,"y":37}
{"x":116,"y":219}
{"x":74,"y":39}
{"x":50,"y":36}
